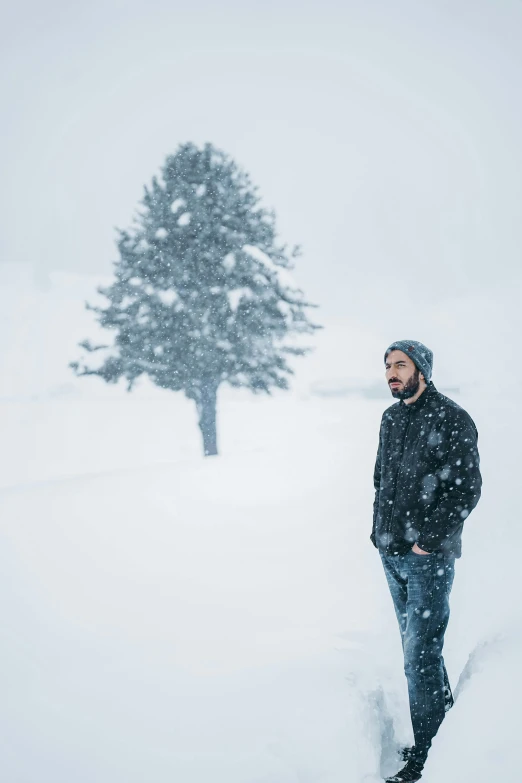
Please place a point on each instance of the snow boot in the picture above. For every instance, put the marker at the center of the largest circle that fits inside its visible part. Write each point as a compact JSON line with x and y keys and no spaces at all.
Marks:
{"x":409,"y":774}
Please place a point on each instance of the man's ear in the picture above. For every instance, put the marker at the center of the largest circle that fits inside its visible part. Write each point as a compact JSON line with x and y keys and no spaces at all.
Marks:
{"x":422,"y":377}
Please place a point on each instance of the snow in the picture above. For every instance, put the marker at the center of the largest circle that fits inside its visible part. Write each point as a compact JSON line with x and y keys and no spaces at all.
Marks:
{"x":236,"y":295}
{"x":207,"y":622}
{"x":229,"y":261}
{"x":166,"y":617}
{"x":201,"y":190}
{"x":283,"y":307}
{"x":177,"y":205}
{"x":286,"y":280}
{"x":161,"y":233}
{"x":168,"y":297}
{"x":184,"y":219}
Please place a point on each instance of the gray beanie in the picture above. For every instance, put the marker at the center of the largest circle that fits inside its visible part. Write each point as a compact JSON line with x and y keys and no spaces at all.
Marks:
{"x":421,"y":356}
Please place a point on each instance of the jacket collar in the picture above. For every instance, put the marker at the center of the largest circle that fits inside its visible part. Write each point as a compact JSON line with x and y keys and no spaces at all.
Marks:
{"x":426,"y":395}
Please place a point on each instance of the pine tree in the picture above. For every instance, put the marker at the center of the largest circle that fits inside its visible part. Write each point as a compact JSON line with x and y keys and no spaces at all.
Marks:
{"x":202,"y":292}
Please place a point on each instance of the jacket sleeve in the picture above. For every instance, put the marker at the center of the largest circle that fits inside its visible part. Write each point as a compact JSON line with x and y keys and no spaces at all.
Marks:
{"x":460,"y":485}
{"x":377,"y":485}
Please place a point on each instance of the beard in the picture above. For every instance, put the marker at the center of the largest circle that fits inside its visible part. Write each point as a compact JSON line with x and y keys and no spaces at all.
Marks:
{"x":410,"y":389}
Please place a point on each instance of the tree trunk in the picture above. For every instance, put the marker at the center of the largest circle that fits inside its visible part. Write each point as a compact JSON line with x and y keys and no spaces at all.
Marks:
{"x":206,"y":406}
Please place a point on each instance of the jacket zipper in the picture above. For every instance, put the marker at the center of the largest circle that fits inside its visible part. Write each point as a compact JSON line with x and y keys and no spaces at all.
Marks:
{"x":398,"y":474}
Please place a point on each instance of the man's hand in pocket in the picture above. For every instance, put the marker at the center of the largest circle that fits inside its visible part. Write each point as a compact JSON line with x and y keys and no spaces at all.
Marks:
{"x":419,"y":551}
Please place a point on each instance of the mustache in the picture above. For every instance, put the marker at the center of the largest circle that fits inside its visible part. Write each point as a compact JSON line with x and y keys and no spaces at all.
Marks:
{"x":394,"y":380}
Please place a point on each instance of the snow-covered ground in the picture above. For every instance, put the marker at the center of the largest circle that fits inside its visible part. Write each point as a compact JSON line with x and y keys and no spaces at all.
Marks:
{"x":170,"y":618}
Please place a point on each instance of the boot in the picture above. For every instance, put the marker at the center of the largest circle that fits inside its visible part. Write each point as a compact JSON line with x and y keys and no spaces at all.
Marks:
{"x":408,"y":774}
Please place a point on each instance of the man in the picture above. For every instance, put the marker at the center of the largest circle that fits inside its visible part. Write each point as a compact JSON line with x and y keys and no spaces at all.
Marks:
{"x":427,"y":481}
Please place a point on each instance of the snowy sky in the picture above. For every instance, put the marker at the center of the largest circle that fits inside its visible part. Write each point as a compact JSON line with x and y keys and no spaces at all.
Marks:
{"x":386,"y":135}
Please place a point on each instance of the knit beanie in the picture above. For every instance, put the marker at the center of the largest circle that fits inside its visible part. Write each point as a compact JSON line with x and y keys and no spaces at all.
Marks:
{"x":421,"y":356}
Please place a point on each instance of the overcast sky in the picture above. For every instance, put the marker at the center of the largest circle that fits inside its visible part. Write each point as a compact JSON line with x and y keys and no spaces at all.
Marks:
{"x":386,"y":135}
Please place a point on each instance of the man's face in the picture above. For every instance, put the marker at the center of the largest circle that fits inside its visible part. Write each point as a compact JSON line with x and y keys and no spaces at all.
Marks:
{"x":402,"y":375}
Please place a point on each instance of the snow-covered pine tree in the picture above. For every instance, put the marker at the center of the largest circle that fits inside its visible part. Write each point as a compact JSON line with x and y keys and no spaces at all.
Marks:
{"x":203,"y":294}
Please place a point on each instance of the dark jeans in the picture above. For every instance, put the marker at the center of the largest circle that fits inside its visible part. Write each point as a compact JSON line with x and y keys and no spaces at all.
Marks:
{"x":420,"y":586}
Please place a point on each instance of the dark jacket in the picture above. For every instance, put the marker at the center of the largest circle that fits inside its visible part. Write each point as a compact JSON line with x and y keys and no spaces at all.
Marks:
{"x":427,"y":475}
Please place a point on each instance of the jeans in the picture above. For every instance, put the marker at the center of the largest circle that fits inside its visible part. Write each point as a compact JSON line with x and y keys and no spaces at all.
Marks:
{"x":420,"y":586}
